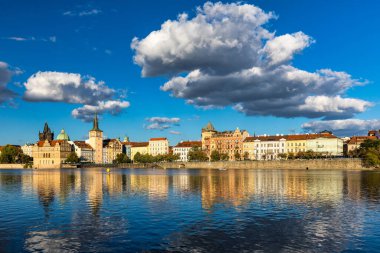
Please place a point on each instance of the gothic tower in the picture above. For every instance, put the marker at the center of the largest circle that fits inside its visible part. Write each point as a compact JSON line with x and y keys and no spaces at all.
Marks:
{"x":96,"y":140}
{"x":47,"y":134}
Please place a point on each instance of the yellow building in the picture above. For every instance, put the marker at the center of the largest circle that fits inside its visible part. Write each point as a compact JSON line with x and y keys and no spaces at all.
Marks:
{"x":249,"y":148}
{"x":139,"y":147}
{"x":111,"y":148}
{"x":296,"y":143}
{"x":50,"y":154}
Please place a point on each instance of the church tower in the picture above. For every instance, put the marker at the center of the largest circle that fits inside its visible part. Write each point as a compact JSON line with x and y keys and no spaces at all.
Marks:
{"x":96,"y":140}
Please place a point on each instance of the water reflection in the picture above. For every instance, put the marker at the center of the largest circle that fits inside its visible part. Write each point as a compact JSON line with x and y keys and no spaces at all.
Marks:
{"x":182,"y":210}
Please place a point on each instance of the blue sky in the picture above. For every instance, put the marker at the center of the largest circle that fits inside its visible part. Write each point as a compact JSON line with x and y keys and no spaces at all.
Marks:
{"x":93,"y":38}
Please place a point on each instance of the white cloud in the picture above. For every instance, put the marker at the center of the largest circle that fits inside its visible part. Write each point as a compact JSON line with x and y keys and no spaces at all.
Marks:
{"x":175,"y":132}
{"x":6,"y":95}
{"x":72,"y":88}
{"x":113,"y":107}
{"x":66,"y":87}
{"x":225,"y":57}
{"x":282,"y":48}
{"x":346,"y":127}
{"x":82,"y":13}
{"x":19,"y":38}
{"x":161,"y":123}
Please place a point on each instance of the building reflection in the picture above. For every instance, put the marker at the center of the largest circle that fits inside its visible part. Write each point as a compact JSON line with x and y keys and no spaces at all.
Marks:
{"x":231,"y":187}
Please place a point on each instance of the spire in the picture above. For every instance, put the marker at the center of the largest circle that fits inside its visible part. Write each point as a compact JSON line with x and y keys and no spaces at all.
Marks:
{"x":95,"y":126}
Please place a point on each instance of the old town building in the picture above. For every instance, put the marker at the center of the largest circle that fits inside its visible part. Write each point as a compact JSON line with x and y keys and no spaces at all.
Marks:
{"x":266,"y":147}
{"x":182,"y":149}
{"x":354,"y":143}
{"x":50,"y":154}
{"x":83,"y":150}
{"x":227,"y":142}
{"x":111,"y":148}
{"x":158,"y":146}
{"x":139,"y":147}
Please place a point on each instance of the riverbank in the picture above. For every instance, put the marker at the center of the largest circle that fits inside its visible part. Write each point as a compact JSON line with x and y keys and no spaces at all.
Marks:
{"x":317,"y":164}
{"x":11,"y":166}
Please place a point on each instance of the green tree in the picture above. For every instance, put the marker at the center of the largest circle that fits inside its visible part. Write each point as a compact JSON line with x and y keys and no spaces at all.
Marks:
{"x":369,"y":151}
{"x":283,"y":155}
{"x":246,"y":156}
{"x":224,"y":157}
{"x":215,"y":156}
{"x":10,"y":154}
{"x":196,"y":154}
{"x":121,"y":158}
{"x":237,"y":155}
{"x":72,"y":158}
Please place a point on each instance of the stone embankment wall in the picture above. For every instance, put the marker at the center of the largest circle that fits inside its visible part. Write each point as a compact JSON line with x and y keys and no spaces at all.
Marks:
{"x":11,"y":166}
{"x":320,"y":164}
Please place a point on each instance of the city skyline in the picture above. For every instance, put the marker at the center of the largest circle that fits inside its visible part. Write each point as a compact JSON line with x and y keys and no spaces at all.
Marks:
{"x":62,"y":62}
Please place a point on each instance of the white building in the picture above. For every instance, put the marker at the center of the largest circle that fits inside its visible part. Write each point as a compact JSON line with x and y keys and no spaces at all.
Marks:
{"x":182,"y":149}
{"x":267,"y":147}
{"x":83,"y":150}
{"x":158,"y":146}
{"x":328,"y":145}
{"x":27,"y":149}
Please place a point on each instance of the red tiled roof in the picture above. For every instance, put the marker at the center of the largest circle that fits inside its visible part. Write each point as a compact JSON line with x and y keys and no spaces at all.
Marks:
{"x":83,"y":144}
{"x":52,"y":143}
{"x":292,"y":137}
{"x":188,"y":144}
{"x":139,"y":144}
{"x":158,"y":139}
{"x":361,"y":139}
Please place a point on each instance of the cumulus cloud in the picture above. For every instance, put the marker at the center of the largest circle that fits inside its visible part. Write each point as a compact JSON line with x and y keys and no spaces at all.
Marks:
{"x":72,"y":88}
{"x":346,"y":127}
{"x":161,"y":123}
{"x":175,"y":132}
{"x":225,"y":57}
{"x":66,"y":87}
{"x":6,"y":95}
{"x":86,"y":113}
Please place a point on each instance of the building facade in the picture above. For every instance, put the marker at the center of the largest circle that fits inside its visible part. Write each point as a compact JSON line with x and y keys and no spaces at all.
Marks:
{"x":227,"y":142}
{"x":158,"y":146}
{"x":111,"y":148}
{"x":354,"y":143}
{"x":83,"y":150}
{"x":96,"y":141}
{"x":267,"y":147}
{"x":139,"y":147}
{"x":27,"y":149}
{"x":182,"y":149}
{"x":50,"y":154}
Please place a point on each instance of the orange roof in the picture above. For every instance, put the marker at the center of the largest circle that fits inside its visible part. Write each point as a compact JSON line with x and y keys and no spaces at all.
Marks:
{"x":158,"y":139}
{"x":83,"y":144}
{"x":361,"y":139}
{"x":52,"y":143}
{"x":139,"y":144}
{"x":292,"y":137}
{"x":188,"y":144}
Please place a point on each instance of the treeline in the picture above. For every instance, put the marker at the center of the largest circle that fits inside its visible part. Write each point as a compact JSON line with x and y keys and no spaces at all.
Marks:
{"x":369,"y":152}
{"x":12,"y":154}
{"x":147,"y":158}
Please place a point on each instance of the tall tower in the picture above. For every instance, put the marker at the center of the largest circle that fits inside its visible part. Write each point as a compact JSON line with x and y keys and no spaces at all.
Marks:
{"x":96,"y":140}
{"x":207,"y":132}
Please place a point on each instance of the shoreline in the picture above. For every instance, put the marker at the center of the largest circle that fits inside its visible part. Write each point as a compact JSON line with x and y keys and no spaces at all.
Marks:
{"x":317,"y":164}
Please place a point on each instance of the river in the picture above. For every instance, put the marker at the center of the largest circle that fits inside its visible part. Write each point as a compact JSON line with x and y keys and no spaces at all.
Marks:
{"x":155,"y":210}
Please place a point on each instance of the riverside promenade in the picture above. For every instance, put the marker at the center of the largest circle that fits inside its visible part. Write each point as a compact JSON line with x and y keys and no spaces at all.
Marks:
{"x":315,"y":164}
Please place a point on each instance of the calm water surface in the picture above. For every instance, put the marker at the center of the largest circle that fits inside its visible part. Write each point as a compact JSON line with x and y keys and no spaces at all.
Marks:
{"x":189,"y":211}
